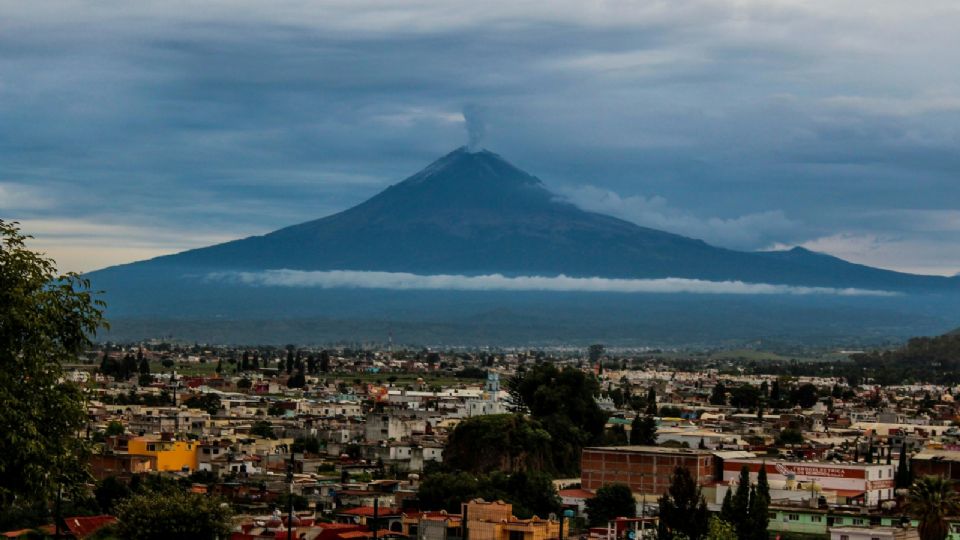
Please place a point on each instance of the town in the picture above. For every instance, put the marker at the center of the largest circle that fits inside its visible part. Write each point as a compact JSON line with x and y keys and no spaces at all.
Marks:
{"x":349,"y":443}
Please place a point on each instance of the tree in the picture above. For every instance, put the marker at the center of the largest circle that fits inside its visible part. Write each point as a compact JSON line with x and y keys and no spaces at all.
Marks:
{"x":727,"y":512}
{"x":114,"y":428}
{"x":740,"y":504}
{"x":790,"y":436}
{"x":324,"y":361}
{"x":758,"y":517}
{"x":563,"y":402}
{"x":530,"y":493}
{"x":206,"y":402}
{"x":904,"y":477}
{"x":615,"y":436}
{"x":652,"y":401}
{"x":297,"y":380}
{"x":643,"y":430}
{"x":263,"y":429}
{"x":162,"y":515}
{"x":446,"y":491}
{"x":805,"y":396}
{"x":932,"y":499}
{"x":719,"y":394}
{"x":720,"y":529}
{"x":289,"y":360}
{"x":46,"y":319}
{"x":109,"y":492}
{"x":611,"y":501}
{"x":500,"y":442}
{"x":307,"y":444}
{"x":745,"y":396}
{"x":683,"y":511}
{"x":244,"y":384}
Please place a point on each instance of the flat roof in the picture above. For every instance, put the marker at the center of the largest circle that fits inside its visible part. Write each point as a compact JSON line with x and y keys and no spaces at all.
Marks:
{"x":811,"y":463}
{"x":652,"y":450}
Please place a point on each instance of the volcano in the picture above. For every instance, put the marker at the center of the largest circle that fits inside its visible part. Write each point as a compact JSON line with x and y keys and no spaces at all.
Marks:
{"x":466,"y":214}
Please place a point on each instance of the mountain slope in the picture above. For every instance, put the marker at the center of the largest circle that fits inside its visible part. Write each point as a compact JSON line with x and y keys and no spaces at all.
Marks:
{"x":474,"y":213}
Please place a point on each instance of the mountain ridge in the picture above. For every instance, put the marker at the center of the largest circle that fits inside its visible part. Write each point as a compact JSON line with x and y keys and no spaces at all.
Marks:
{"x":474,"y":213}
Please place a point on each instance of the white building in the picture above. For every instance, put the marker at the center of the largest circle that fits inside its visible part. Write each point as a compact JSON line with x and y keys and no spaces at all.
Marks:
{"x":871,"y":482}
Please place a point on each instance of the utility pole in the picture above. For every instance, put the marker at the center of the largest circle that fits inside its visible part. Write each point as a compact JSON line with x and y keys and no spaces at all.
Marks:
{"x":57,"y":512}
{"x":290,"y":497}
{"x":176,"y":408}
{"x":376,"y":517}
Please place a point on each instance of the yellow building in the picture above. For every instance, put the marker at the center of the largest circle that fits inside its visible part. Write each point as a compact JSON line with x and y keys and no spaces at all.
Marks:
{"x":495,"y":521}
{"x":170,"y":455}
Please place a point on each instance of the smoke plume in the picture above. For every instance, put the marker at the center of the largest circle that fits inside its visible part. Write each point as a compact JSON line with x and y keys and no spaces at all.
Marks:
{"x":476,"y":127}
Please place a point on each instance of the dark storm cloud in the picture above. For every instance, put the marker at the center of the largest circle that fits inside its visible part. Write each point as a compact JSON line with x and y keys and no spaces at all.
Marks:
{"x":747,"y":124}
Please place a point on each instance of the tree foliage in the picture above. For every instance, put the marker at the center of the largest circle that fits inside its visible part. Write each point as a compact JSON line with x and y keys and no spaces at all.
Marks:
{"x":208,"y":402}
{"x":931,"y":500}
{"x":720,"y":529}
{"x":530,"y":493}
{"x":46,"y":319}
{"x":683,"y":510}
{"x":563,"y":402}
{"x":163,"y":515}
{"x":499,"y":442}
{"x":611,"y":501}
{"x":643,"y":430}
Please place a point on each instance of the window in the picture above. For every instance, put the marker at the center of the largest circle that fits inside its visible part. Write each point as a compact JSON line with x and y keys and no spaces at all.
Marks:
{"x":857,"y":521}
{"x":844,"y":537}
{"x":516,"y":535}
{"x":816,"y":519}
{"x":793,"y":517}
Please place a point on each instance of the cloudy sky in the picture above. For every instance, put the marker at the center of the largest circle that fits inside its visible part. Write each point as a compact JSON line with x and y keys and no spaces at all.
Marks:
{"x":133,"y":129}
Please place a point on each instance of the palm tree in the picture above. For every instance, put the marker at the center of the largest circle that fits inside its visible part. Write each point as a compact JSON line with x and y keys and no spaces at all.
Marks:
{"x":931,"y":499}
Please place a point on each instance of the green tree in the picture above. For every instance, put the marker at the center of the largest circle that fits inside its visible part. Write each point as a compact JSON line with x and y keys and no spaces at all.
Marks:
{"x":932,"y":499}
{"x":615,"y":436}
{"x":163,"y":515}
{"x":643,"y":430}
{"x":719,"y":529}
{"x":46,"y":319}
{"x":609,"y":502}
{"x":499,"y":442}
{"x":740,"y":503}
{"x":109,"y":492}
{"x":805,"y":396}
{"x":727,"y":513}
{"x":651,"y":402}
{"x":904,"y":477}
{"x":758,"y":518}
{"x":563,"y":402}
{"x":446,"y":491}
{"x":719,"y":394}
{"x":263,"y":429}
{"x":683,"y":510}
{"x":114,"y":428}
{"x":307,"y":444}
{"x":790,"y":436}
{"x":208,"y":402}
{"x":745,"y":396}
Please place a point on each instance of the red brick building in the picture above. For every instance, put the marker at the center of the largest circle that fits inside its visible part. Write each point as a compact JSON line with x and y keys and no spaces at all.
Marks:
{"x":646,"y":469}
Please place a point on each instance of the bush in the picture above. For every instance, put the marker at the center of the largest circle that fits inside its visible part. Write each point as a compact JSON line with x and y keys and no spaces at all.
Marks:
{"x":158,"y":516}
